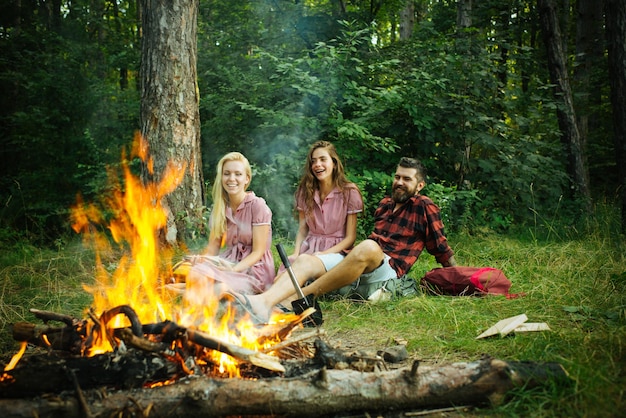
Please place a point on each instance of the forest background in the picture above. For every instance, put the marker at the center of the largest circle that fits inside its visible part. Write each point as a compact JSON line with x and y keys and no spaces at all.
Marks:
{"x":516,"y":107}
{"x":466,"y":87}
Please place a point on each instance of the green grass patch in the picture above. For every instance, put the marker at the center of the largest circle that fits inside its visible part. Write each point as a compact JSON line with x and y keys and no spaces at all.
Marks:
{"x":42,"y":279}
{"x":576,"y":286}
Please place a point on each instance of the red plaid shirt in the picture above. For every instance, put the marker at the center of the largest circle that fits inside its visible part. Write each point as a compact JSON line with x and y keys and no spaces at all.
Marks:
{"x":404,"y":234}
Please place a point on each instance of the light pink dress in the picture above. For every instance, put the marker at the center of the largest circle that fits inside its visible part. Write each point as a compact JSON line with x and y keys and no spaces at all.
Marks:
{"x":327,"y":223}
{"x":253,"y":211}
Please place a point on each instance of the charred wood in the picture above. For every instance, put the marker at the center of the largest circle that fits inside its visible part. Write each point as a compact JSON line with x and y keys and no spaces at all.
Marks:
{"x":55,"y":338}
{"x":69,"y":339}
{"x":39,"y":374}
{"x":240,"y":353}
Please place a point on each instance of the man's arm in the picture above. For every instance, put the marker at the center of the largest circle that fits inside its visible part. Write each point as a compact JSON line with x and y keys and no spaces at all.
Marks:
{"x":435,"y":240}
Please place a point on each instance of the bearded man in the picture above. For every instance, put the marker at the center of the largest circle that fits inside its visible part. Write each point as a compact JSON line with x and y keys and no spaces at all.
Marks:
{"x":405,"y":224}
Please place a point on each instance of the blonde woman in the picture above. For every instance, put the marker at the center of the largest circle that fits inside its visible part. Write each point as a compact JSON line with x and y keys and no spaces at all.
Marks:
{"x":238,"y":256}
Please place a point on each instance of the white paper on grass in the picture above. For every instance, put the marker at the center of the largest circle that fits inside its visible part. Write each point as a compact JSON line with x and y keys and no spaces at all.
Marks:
{"x":532,"y":326}
{"x":504,"y":326}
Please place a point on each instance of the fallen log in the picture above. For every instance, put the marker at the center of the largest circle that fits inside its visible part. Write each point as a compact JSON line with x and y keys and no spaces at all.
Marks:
{"x":324,"y":392}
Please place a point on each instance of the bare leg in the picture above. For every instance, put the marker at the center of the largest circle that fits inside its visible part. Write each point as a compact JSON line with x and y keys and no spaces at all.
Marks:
{"x":366,"y":257}
{"x":305,"y":267}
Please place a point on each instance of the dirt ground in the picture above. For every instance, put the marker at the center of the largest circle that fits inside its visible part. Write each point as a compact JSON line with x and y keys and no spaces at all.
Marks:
{"x":360,"y":343}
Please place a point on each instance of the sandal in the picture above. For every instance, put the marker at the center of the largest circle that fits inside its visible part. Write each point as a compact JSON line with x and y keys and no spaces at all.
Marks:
{"x":243,"y":305}
{"x":284,"y":309}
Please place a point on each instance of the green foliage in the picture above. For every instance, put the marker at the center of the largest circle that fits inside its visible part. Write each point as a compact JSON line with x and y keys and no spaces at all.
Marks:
{"x":458,"y":207}
{"x":305,"y":102}
{"x":473,"y":105}
{"x":421,"y":98}
{"x":374,"y":185}
{"x":61,"y":121}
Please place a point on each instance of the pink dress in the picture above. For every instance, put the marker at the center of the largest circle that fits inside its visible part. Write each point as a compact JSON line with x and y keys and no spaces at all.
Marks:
{"x":327,"y":222}
{"x":253,"y":211}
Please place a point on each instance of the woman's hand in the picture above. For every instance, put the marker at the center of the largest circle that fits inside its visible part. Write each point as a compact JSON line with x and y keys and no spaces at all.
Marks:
{"x":223,"y":264}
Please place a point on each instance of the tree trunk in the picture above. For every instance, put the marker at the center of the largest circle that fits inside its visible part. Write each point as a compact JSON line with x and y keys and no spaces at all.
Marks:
{"x":119,"y":26}
{"x":407,"y":20}
{"x":503,"y":39}
{"x":564,"y":23}
{"x":170,"y":118}
{"x":589,"y":53}
{"x":463,"y":14}
{"x":325,"y":392}
{"x":566,"y":115}
{"x":525,"y":31}
{"x":615,"y":13}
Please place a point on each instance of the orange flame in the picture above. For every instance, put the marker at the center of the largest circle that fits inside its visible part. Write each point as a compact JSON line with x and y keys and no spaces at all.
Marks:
{"x":144,"y":268}
{"x":16,"y":357}
{"x":6,"y":376}
{"x":139,"y":217}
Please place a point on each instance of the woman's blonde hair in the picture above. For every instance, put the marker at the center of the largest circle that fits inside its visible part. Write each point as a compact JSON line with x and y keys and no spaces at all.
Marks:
{"x":217,"y":224}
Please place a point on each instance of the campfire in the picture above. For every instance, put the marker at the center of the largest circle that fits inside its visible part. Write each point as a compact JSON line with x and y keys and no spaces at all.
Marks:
{"x":181,"y":357}
{"x":132,"y":306}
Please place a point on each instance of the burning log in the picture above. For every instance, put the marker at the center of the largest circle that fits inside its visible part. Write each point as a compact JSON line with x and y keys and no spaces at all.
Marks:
{"x":240,"y":353}
{"x":44,"y":336}
{"x":72,"y":336}
{"x":323,"y":392}
{"x":138,"y":376}
{"x":55,"y":338}
{"x":153,"y":371}
{"x":142,"y":354}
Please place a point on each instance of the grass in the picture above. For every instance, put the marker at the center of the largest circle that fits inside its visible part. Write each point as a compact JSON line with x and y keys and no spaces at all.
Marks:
{"x":576,"y":286}
{"x":43,"y":279}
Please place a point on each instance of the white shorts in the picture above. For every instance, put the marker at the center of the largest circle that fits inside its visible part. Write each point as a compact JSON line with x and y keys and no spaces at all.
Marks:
{"x":381,"y":274}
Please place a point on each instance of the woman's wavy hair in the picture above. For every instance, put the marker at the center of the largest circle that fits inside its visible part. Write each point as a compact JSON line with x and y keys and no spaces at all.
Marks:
{"x":309,"y":183}
{"x":217,"y":224}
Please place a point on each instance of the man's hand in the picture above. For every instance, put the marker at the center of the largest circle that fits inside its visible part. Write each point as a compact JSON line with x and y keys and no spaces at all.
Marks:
{"x":450,"y":263}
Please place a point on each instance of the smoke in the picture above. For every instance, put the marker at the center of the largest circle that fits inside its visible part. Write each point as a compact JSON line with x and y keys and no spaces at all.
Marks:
{"x":277,"y":168}
{"x":274,"y":123}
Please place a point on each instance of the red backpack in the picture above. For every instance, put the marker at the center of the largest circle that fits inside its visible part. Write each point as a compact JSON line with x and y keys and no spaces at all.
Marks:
{"x":466,"y":281}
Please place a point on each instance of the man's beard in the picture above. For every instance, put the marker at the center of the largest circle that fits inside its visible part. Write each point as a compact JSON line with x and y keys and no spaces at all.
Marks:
{"x":401,"y":194}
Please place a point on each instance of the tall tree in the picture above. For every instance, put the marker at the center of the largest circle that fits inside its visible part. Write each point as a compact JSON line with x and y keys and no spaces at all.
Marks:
{"x":407,"y":20}
{"x":615,"y":13}
{"x":557,"y":66}
{"x":170,"y":118}
{"x":464,"y":14}
{"x":589,"y":62}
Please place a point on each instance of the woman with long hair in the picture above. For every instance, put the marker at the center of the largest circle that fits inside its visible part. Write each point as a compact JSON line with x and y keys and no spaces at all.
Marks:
{"x":327,"y":204}
{"x":238,"y":256}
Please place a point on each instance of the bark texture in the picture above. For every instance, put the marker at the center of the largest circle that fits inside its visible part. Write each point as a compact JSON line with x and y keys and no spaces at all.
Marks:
{"x":563,"y":93}
{"x":170,"y":105}
{"x":615,"y":16}
{"x":407,"y":20}
{"x":324,"y":392}
{"x":463,"y":14}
